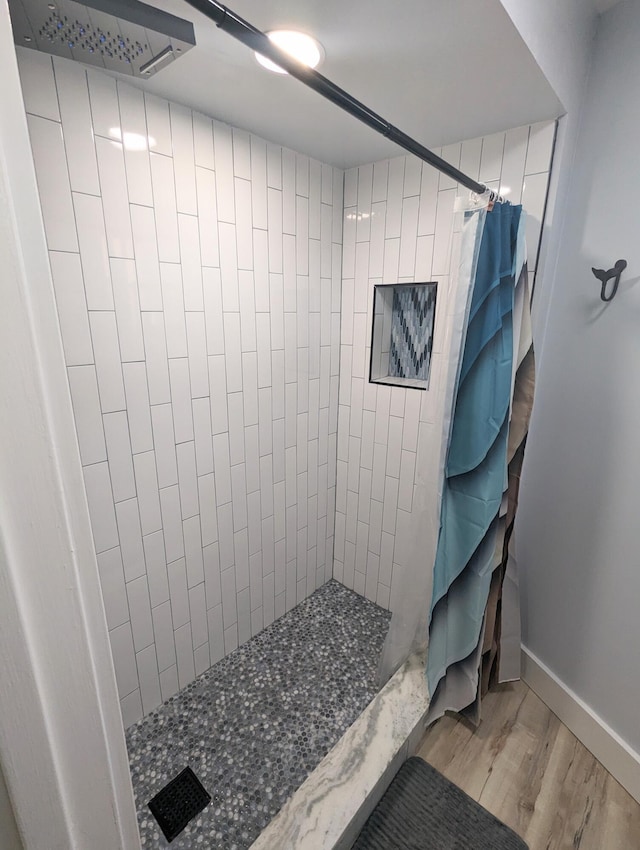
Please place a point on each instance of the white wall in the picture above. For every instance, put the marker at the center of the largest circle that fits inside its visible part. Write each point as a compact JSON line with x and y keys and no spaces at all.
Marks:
{"x":61,"y":739}
{"x":578,"y":538}
{"x":8,"y":827}
{"x":397,"y":228}
{"x":560,"y":37}
{"x":198,"y":293}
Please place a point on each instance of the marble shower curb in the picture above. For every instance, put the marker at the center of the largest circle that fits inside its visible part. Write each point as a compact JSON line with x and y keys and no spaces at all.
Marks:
{"x":329,"y":809}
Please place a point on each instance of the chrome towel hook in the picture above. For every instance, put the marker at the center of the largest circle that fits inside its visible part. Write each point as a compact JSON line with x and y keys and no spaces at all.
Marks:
{"x":605,"y":276}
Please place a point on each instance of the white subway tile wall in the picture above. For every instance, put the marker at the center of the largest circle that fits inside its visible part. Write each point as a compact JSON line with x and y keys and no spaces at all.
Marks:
{"x":197,"y":280}
{"x":397,"y":228}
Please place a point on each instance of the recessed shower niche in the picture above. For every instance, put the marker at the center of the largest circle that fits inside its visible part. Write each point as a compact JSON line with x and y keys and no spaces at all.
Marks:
{"x":402,"y":334}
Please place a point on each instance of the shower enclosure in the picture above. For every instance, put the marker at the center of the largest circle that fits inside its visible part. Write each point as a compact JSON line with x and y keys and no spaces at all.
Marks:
{"x":214,"y":295}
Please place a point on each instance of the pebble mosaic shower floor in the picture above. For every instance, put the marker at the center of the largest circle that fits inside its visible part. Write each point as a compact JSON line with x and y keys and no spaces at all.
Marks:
{"x":256,"y":724}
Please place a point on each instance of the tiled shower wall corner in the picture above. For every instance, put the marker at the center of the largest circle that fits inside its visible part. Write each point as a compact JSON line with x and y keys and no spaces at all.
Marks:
{"x":397,"y":229}
{"x":198,"y":292}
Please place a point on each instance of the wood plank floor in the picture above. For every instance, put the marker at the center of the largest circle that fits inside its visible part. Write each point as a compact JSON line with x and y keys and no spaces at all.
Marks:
{"x":524,"y":766}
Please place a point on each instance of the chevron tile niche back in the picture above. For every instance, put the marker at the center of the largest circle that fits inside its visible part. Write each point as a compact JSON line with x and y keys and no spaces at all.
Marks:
{"x":412,"y":331}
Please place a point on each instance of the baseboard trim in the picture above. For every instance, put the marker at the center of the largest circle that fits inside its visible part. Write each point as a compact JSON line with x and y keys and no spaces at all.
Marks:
{"x":622,"y":762}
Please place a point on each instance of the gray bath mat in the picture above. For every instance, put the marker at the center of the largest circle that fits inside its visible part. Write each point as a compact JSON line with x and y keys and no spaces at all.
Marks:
{"x":422,"y":810}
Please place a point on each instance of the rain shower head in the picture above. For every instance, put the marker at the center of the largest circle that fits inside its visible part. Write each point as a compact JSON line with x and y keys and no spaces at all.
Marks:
{"x":119,"y":35}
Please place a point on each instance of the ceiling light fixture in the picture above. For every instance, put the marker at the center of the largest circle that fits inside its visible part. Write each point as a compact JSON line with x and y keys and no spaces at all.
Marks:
{"x":298,"y":45}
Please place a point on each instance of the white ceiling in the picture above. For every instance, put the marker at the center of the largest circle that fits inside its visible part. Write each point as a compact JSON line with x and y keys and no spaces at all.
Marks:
{"x":605,"y":5}
{"x":441,"y":70}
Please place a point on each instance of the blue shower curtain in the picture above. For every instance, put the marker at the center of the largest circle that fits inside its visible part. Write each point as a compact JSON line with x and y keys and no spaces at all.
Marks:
{"x":476,"y":465}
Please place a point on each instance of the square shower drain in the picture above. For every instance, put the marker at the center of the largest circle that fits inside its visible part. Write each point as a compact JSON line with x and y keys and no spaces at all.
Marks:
{"x":178,"y":803}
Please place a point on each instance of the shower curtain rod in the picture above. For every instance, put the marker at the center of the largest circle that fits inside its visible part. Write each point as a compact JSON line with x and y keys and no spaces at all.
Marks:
{"x":257,"y":40}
